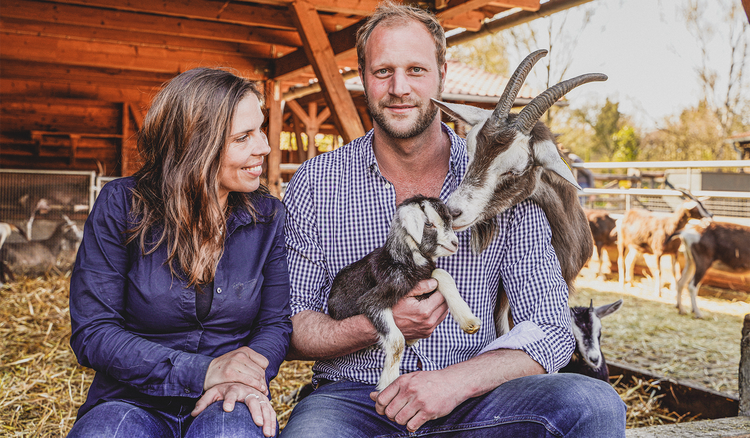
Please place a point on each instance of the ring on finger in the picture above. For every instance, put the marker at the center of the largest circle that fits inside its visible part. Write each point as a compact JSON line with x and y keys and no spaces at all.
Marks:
{"x":254,"y":395}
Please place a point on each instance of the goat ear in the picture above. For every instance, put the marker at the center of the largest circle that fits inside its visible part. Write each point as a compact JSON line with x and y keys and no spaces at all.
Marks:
{"x":608,"y":309}
{"x":545,"y":153}
{"x":412,"y":219}
{"x":466,"y":113}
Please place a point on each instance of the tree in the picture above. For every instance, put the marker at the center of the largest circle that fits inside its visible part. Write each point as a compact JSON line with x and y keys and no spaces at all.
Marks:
{"x":725,"y":87}
{"x":487,"y":53}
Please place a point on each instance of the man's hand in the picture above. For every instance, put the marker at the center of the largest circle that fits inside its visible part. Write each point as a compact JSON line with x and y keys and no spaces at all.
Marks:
{"x":242,"y":365}
{"x":415,"y":398}
{"x":260,"y":407}
{"x":417,"y":318}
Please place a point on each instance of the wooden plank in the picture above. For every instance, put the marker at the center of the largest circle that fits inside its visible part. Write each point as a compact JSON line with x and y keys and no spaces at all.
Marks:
{"x":136,"y":22}
{"x":74,"y":74}
{"x":681,"y":396}
{"x":319,"y":51}
{"x":13,"y":89}
{"x":238,"y":13}
{"x":228,"y":12}
{"x":146,"y":39}
{"x":113,"y":56}
{"x":273,"y":168}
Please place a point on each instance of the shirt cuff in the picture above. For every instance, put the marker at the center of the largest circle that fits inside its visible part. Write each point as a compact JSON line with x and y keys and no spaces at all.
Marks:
{"x":190,"y":373}
{"x":520,"y":336}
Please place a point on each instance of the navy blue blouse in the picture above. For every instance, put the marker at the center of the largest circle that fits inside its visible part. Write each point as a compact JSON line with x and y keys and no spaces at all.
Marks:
{"x":135,"y":324}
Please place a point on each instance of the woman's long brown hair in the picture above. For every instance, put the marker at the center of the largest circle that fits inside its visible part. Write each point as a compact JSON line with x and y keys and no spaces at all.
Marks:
{"x":175,"y":199}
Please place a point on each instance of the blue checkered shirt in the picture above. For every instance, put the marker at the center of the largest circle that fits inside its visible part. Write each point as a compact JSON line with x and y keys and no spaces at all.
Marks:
{"x":340,"y":208}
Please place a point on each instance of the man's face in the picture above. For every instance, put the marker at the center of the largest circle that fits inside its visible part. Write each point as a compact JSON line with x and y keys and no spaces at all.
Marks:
{"x":400,"y":76}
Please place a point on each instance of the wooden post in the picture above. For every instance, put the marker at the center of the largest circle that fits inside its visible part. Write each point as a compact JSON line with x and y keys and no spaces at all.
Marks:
{"x":273,"y":168}
{"x":744,"y":372}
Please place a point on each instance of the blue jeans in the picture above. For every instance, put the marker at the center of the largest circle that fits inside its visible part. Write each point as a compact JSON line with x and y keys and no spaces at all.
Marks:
{"x":548,"y":405}
{"x":123,"y":420}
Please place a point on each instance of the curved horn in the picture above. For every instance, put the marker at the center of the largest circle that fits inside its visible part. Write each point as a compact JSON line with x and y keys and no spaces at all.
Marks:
{"x":515,"y":83}
{"x":528,"y":117}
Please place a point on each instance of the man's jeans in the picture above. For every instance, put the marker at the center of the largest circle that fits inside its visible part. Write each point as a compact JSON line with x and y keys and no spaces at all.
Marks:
{"x":548,"y":405}
{"x":123,"y":420}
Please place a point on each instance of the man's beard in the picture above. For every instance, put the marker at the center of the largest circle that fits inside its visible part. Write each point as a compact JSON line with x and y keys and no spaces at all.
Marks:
{"x":424,"y":119}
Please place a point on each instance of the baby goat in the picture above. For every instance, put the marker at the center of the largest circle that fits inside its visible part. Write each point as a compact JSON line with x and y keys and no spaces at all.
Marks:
{"x":420,"y":233}
{"x":725,"y":246}
{"x":512,"y":158}
{"x":588,"y":358}
{"x":641,"y":231}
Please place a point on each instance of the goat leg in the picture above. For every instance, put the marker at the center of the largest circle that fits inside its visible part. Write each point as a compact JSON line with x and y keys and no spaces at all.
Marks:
{"x":392,"y":341}
{"x":458,"y":307}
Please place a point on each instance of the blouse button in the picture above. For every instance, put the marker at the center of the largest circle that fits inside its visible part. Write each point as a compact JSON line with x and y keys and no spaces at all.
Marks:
{"x":218,"y":290}
{"x":187,"y":390}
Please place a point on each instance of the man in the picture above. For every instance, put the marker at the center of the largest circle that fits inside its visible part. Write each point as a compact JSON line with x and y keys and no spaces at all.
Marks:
{"x":339,"y":208}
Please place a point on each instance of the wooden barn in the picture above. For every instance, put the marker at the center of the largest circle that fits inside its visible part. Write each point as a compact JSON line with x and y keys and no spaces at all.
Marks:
{"x":76,"y":76}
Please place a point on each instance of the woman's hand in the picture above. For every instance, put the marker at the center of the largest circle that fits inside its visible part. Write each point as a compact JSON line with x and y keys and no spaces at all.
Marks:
{"x":242,"y":365}
{"x":260,"y":407}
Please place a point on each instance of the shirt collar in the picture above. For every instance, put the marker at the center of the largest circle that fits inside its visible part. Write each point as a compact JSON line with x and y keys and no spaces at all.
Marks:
{"x":458,"y":159}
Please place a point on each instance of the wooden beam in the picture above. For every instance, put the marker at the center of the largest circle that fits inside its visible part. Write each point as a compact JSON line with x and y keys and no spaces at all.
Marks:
{"x":320,"y":53}
{"x":296,"y":63}
{"x":273,"y":168}
{"x":548,"y":8}
{"x":20,"y":89}
{"x":136,"y":22}
{"x":116,"y":56}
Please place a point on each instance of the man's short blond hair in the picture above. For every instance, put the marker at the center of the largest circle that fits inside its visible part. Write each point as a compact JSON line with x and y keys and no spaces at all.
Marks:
{"x":393,"y":14}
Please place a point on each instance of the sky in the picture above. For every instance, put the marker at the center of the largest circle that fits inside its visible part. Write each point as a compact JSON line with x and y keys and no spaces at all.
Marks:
{"x":645,"y":48}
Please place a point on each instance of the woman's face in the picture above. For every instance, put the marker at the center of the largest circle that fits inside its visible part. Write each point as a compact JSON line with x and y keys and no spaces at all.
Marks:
{"x":243,"y":156}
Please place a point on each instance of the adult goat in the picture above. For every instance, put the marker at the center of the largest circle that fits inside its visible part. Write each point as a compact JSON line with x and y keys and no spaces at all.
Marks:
{"x":641,"y":231}
{"x":603,"y":231}
{"x":723,"y":245}
{"x":512,"y":158}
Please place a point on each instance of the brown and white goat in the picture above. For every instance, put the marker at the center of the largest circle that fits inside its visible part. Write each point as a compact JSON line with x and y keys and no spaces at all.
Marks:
{"x":420,"y":233}
{"x":513,"y":158}
{"x":724,"y":246}
{"x":641,"y":231}
{"x":603,"y":231}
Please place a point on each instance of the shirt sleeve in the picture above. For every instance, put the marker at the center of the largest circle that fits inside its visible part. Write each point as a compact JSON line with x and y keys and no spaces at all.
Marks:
{"x":536,"y":290}
{"x":98,"y":287}
{"x":307,"y":265}
{"x":273,"y":328}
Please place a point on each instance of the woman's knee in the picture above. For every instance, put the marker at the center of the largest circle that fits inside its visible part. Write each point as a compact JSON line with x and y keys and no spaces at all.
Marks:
{"x":119,"y":419}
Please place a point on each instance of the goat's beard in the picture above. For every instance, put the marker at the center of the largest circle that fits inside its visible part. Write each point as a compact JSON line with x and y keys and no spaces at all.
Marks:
{"x":425,"y":116}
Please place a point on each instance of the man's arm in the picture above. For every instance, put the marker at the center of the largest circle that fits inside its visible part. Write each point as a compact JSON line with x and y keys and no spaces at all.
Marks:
{"x":418,"y":397}
{"x":317,"y":336}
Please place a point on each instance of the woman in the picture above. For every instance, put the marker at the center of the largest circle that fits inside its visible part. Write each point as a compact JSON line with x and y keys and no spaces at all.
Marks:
{"x":179,"y":297}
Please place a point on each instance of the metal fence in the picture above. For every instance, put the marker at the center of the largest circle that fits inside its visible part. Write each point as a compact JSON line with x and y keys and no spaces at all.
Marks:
{"x":731,"y":203}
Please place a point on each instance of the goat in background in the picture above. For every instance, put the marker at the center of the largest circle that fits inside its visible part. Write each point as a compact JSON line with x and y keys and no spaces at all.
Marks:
{"x":512,"y":158}
{"x":37,"y":257}
{"x":603,"y":231}
{"x":588,"y":358}
{"x":641,"y":231}
{"x":723,"y":245}
{"x":7,"y":229}
{"x":420,"y":233}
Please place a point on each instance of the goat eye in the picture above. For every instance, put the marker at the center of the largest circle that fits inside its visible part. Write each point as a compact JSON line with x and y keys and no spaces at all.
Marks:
{"x":429,"y":225}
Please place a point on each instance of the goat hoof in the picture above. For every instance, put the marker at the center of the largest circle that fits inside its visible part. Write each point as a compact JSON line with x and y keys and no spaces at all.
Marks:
{"x":471,"y":329}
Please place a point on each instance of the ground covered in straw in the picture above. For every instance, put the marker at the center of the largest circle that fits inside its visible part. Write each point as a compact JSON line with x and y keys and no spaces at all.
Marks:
{"x":41,"y":385}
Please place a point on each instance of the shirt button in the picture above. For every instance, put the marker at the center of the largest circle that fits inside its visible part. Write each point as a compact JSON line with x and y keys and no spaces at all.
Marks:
{"x":218,"y":290}
{"x":387,"y":185}
{"x":187,"y":390}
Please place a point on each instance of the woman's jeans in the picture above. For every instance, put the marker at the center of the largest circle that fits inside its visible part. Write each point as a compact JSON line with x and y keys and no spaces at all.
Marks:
{"x":122,"y":420}
{"x":547,"y":405}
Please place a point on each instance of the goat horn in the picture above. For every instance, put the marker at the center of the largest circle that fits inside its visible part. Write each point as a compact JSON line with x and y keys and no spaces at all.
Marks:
{"x":515,"y":83}
{"x":531,"y":113}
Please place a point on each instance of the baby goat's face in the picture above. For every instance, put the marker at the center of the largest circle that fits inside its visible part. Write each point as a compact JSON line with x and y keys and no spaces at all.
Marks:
{"x":429,"y":224}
